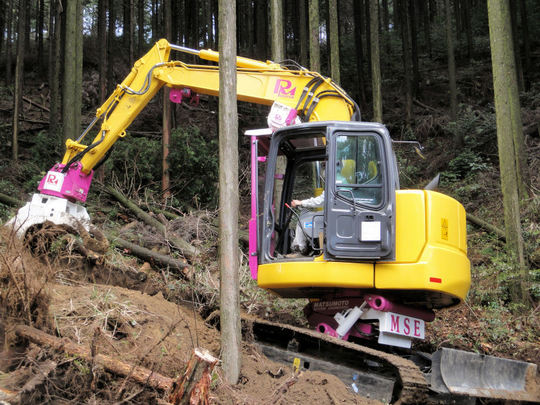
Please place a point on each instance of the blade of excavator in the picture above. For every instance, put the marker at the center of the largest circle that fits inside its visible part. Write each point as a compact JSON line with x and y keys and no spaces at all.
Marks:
{"x":43,"y":208}
{"x":464,"y":373}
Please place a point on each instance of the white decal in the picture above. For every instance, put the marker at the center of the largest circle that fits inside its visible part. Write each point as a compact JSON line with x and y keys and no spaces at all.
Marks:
{"x":54,"y":181}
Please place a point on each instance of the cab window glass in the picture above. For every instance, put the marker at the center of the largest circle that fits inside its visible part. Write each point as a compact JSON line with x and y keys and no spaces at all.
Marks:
{"x":359,"y":169}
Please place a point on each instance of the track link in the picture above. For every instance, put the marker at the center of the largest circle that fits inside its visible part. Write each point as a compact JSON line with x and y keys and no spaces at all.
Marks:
{"x":412,"y":386}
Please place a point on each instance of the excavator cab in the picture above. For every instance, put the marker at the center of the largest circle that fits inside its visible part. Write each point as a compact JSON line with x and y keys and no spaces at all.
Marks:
{"x":352,"y":164}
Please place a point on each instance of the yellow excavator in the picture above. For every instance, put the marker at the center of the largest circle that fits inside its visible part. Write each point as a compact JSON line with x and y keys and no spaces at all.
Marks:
{"x":376,"y":260}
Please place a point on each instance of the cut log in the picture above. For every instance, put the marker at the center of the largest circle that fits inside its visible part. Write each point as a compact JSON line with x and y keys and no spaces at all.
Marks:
{"x":189,"y":251}
{"x":487,"y":226}
{"x":139,"y":374}
{"x":149,"y":255}
{"x":193,"y":386}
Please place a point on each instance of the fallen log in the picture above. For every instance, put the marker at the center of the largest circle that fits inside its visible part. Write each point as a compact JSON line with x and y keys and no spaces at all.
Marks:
{"x":149,"y":255}
{"x":487,"y":226}
{"x":189,"y":251}
{"x":30,"y":101}
{"x":139,"y":374}
{"x":11,"y":201}
{"x":193,"y":387}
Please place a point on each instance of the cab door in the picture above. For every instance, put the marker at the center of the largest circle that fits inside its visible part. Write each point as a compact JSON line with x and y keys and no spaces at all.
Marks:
{"x":360,"y":193}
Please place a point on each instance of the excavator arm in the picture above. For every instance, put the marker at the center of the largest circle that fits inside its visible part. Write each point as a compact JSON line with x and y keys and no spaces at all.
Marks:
{"x":298,"y":93}
{"x":309,"y":94}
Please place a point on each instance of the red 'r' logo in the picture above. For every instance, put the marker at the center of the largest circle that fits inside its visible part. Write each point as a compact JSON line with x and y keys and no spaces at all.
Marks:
{"x":283,"y":88}
{"x":52,"y":179}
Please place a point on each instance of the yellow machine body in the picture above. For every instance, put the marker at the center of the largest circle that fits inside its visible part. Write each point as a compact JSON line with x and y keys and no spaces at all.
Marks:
{"x":431,"y":265}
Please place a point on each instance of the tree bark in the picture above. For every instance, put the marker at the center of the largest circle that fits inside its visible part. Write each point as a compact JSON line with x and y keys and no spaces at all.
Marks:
{"x":194,"y":385}
{"x":261,"y":26}
{"x":303,"y":33}
{"x":386,"y":27}
{"x":111,"y":43}
{"x":466,"y":7}
{"x":231,"y":338}
{"x":358,"y":23}
{"x":515,"y":38}
{"x":166,"y":117}
{"x":406,"y":47}
{"x":314,"y":47}
{"x":9,"y":58}
{"x":414,"y":48}
{"x":19,"y":72}
{"x":71,"y":89}
{"x":102,"y":40}
{"x":276,"y":30}
{"x":376,"y":81}
{"x":367,"y":29}
{"x":451,"y":65}
{"x":509,"y":129}
{"x":427,"y":27}
{"x":55,"y":42}
{"x":334,"y":40}
{"x":526,"y":42}
{"x":39,"y":33}
{"x":140,"y":27}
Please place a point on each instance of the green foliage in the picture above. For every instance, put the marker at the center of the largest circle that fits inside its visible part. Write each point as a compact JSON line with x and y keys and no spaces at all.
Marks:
{"x":193,"y":161}
{"x":45,"y":150}
{"x":477,"y":132}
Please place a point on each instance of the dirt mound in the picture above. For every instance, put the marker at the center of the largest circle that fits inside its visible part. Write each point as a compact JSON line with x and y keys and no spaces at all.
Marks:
{"x":132,"y":326}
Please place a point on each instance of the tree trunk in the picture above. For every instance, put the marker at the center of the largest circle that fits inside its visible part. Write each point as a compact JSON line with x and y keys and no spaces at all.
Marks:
{"x":466,"y":7}
{"x":19,"y":71}
{"x":77,"y":91}
{"x":427,"y":28}
{"x":303,"y":31}
{"x":155,"y":21}
{"x":71,"y":114}
{"x":358,"y":23}
{"x":231,"y":337}
{"x":386,"y":27}
{"x":131,"y":32}
{"x":451,"y":65}
{"x":376,"y":81}
{"x":526,"y":42}
{"x":314,"y":49}
{"x":261,"y":24}
{"x":140,"y":27}
{"x":3,"y":10}
{"x":39,"y":33}
{"x":9,"y":42}
{"x":414,"y":48}
{"x":367,"y":27}
{"x":406,"y":47}
{"x":55,"y":42}
{"x":166,"y":140}
{"x":111,"y":43}
{"x":509,"y":129}
{"x":515,"y":38}
{"x":334,"y":40}
{"x":102,"y":40}
{"x":276,"y":30}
